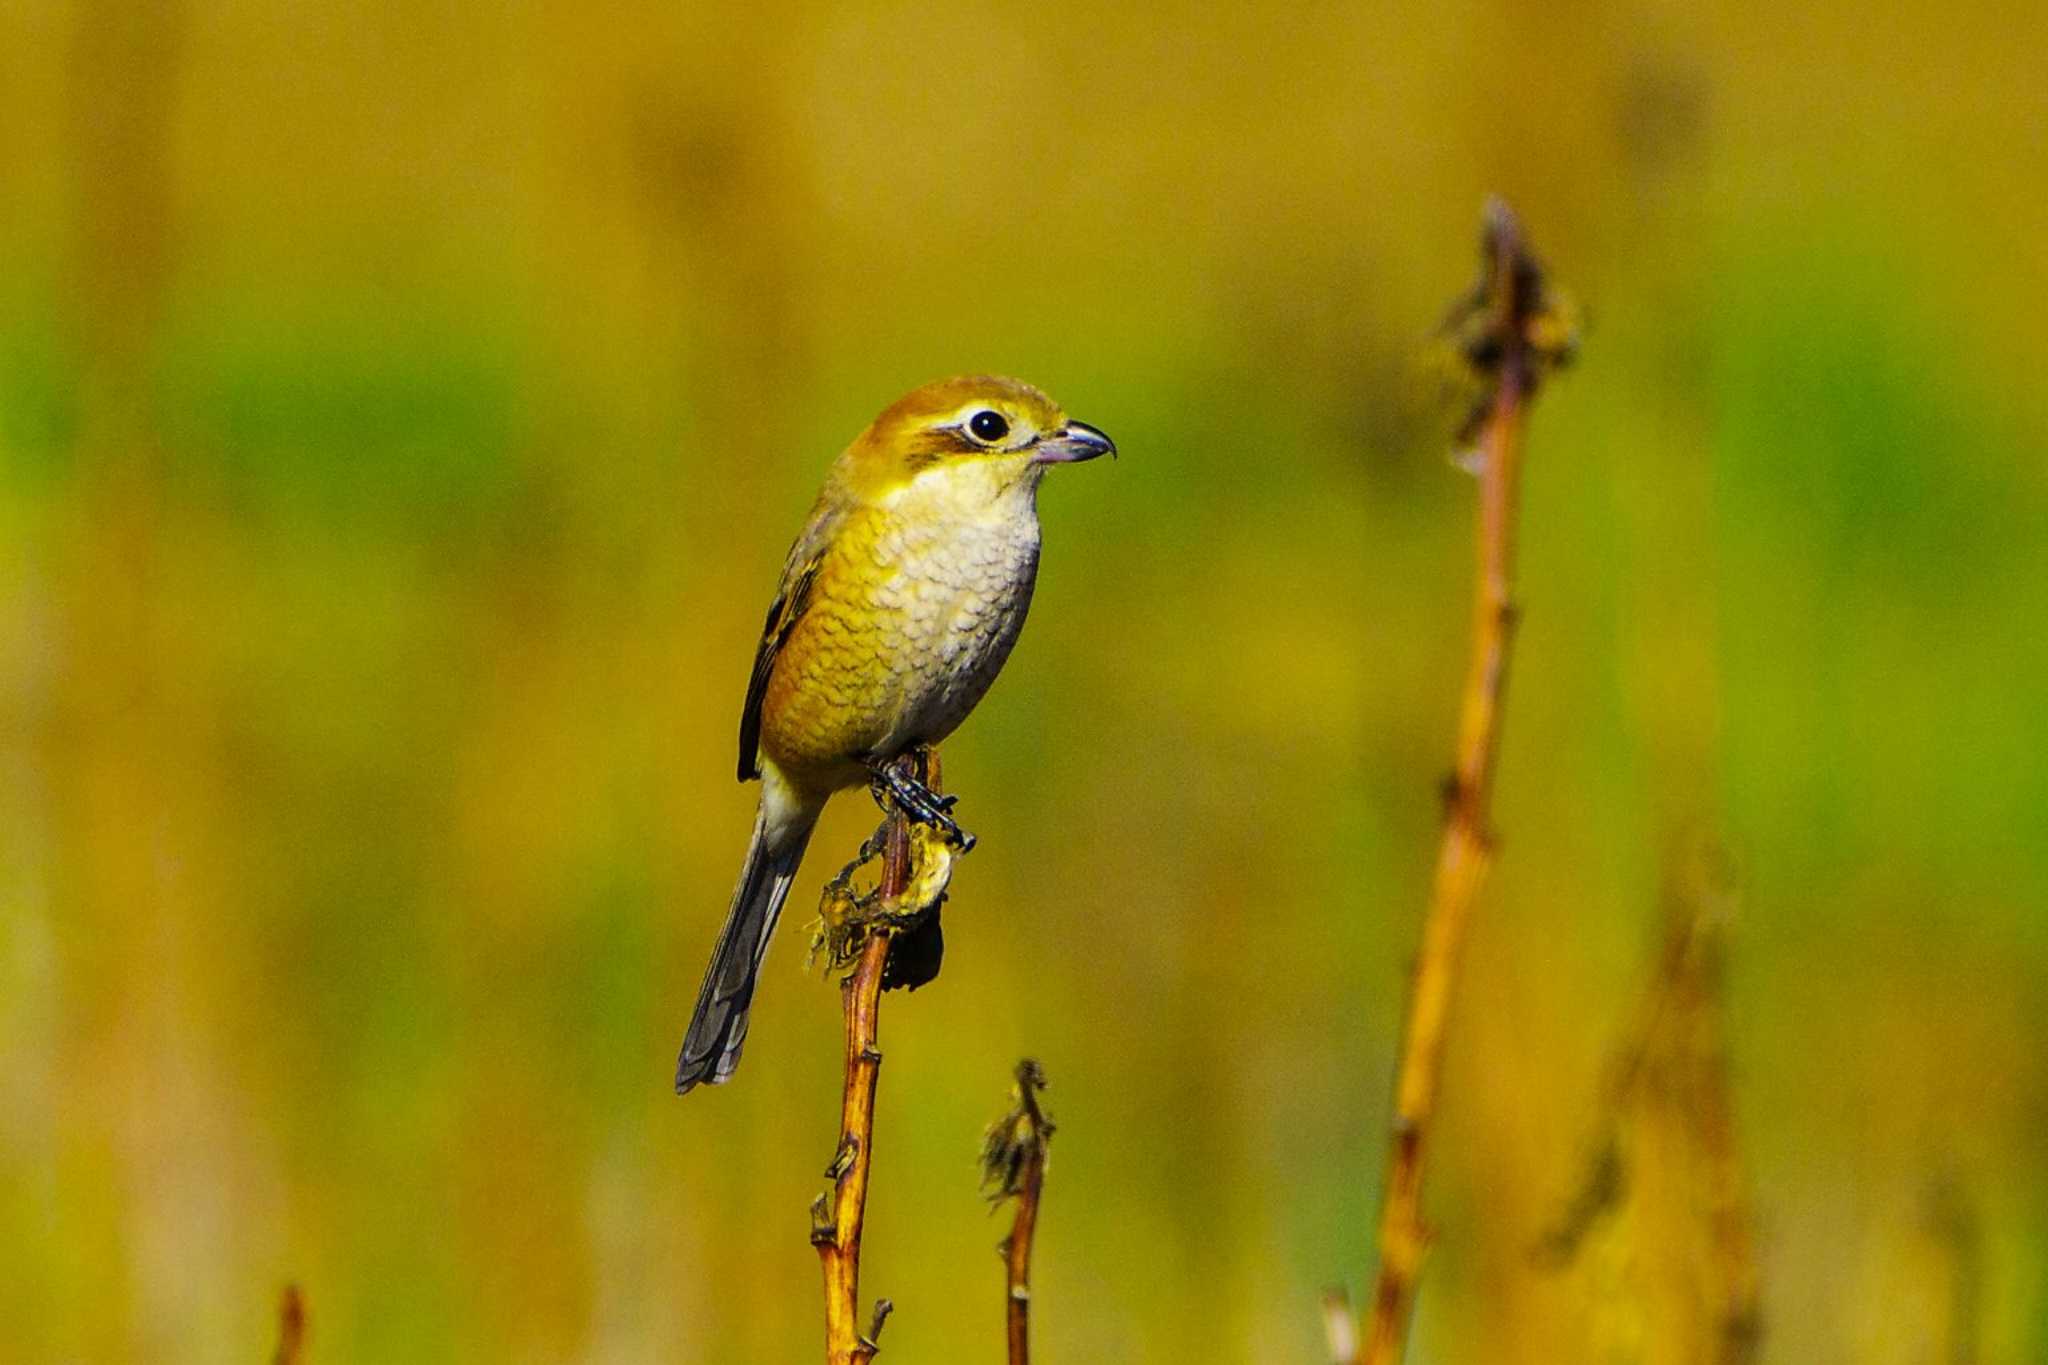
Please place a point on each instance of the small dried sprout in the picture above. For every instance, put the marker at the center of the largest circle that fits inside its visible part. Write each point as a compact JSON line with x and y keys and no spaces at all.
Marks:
{"x":837,"y":933}
{"x":1016,"y":1144}
{"x":1513,"y":307}
{"x":824,"y":1225}
{"x":848,"y":913}
{"x":871,"y":1340}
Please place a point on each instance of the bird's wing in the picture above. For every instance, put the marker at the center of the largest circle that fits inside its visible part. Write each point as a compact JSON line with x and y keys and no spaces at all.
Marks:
{"x":792,"y":596}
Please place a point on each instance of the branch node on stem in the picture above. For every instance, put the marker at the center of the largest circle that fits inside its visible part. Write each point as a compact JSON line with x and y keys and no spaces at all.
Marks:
{"x":871,"y":1340}
{"x":843,"y":1157}
{"x":822,"y":1225}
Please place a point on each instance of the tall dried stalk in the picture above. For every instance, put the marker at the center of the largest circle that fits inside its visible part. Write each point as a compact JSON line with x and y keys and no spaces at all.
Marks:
{"x":291,"y":1327}
{"x":837,"y":1217}
{"x":1508,"y":336}
{"x":1013,"y":1160}
{"x":1664,"y":1167}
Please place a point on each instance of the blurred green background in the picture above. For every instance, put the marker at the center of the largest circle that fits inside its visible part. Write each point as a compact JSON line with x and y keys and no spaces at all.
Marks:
{"x":404,"y":410}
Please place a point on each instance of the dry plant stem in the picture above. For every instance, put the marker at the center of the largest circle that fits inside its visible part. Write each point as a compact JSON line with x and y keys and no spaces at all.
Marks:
{"x":1017,"y":1261}
{"x":1466,"y":850}
{"x":291,"y":1327}
{"x":1738,"y":1292}
{"x":1013,"y":1158}
{"x":1024,"y":1227}
{"x":837,"y":1236}
{"x":1665,"y":1147}
{"x":839,"y":1245}
{"x":1681,"y":1057}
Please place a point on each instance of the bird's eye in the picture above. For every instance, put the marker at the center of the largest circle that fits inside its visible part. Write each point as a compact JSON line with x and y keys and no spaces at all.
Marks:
{"x":988,"y":426}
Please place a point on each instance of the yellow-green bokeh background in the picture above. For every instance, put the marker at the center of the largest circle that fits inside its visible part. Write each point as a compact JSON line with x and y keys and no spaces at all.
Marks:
{"x":403,"y":413}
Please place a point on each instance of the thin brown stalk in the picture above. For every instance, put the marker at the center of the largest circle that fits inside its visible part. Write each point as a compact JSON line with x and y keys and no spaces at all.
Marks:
{"x":1955,"y":1227}
{"x":1665,"y":1147}
{"x":1017,"y":1268}
{"x":1013,"y":1160}
{"x":291,"y":1327}
{"x":1503,"y":345}
{"x":838,"y":1216}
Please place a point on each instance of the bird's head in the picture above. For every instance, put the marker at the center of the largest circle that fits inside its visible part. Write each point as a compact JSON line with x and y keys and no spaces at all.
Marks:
{"x":990,"y":430}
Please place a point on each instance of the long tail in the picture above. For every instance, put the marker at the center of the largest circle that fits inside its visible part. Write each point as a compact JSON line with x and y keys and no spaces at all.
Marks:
{"x":718,"y":1028}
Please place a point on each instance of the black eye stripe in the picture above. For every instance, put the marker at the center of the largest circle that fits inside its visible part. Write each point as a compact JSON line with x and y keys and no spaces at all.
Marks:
{"x":988,"y":425}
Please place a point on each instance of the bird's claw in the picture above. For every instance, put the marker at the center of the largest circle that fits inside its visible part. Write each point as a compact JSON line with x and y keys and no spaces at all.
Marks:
{"x":921,"y":804}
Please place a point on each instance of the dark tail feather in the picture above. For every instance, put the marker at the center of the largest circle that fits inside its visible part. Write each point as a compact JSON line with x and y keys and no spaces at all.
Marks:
{"x":718,"y":1028}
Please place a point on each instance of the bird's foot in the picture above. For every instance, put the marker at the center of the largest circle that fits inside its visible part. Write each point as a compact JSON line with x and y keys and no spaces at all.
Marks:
{"x":920,"y":803}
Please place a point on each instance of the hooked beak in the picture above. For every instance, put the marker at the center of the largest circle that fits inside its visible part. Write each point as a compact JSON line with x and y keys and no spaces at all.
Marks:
{"x":1073,"y":443}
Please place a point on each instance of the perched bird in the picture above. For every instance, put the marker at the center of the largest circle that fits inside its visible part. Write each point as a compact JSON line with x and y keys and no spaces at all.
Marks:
{"x":897,"y":607}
